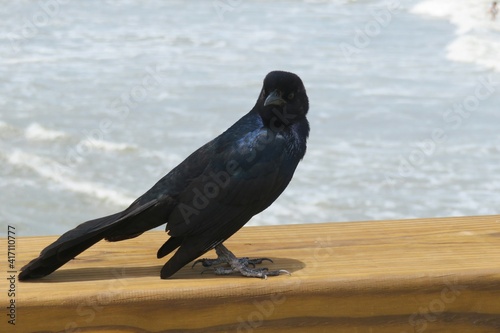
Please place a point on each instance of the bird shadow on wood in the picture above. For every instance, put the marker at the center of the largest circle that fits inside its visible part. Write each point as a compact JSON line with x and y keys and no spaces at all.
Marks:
{"x":130,"y":272}
{"x":98,"y":273}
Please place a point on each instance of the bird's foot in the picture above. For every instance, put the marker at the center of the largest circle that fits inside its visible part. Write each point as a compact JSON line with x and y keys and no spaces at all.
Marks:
{"x":224,"y":256}
{"x":223,"y":260}
{"x":244,"y":270}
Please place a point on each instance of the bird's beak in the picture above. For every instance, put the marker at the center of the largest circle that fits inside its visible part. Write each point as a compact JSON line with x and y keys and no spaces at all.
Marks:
{"x":274,"y":98}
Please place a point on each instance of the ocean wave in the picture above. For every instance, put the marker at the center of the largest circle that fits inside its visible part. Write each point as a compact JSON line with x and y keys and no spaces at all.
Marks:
{"x":475,"y":49}
{"x":108,"y":145}
{"x":36,"y":131}
{"x":478,"y":36}
{"x":7,"y":129}
{"x":54,"y":171}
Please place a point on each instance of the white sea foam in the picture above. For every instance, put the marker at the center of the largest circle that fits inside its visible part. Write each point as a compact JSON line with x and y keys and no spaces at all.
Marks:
{"x":478,"y":36}
{"x":51,"y":170}
{"x":108,"y":145}
{"x":7,"y":130}
{"x":37,"y":132}
{"x":476,"y":49}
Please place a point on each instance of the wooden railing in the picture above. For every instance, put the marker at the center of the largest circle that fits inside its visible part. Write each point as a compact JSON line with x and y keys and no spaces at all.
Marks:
{"x":402,"y":276}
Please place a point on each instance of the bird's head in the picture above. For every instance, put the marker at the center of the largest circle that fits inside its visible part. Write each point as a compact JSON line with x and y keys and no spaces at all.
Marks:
{"x":283,"y":99}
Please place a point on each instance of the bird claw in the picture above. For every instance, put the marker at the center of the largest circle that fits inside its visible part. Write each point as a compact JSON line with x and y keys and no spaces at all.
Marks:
{"x":207,"y":262}
{"x":233,"y":264}
{"x":244,"y":261}
{"x":262,"y":273}
{"x":257,"y":261}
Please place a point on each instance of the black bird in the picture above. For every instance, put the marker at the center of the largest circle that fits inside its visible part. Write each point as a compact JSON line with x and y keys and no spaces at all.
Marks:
{"x":212,"y":193}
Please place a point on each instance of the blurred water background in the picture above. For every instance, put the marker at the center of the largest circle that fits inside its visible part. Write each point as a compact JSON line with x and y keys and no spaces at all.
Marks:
{"x":99,"y":99}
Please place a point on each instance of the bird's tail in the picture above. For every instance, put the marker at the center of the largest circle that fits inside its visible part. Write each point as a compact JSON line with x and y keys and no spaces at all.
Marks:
{"x":127,"y":224}
{"x":68,"y":246}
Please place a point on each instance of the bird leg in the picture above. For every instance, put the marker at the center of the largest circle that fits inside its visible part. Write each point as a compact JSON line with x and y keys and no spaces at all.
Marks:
{"x":224,"y":256}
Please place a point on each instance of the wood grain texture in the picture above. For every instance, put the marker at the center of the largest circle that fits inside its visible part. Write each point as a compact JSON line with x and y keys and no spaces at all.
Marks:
{"x":406,"y":276}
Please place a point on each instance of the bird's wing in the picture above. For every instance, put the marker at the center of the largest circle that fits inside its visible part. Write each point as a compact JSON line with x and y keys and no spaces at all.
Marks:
{"x":256,"y":168}
{"x":243,"y":179}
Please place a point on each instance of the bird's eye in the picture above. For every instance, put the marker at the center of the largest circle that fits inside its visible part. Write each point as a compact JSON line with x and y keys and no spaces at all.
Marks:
{"x":291,"y":96}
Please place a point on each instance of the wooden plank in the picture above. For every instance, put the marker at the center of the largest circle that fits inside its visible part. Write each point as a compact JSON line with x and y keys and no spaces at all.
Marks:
{"x":425,"y":275}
